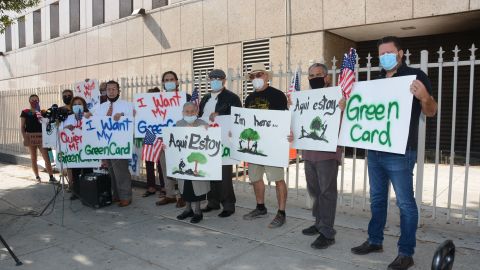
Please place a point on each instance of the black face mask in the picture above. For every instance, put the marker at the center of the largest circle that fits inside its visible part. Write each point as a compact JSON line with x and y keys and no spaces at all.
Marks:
{"x":318,"y":82}
{"x":113,"y":99}
{"x":103,"y":99}
{"x":67,"y":99}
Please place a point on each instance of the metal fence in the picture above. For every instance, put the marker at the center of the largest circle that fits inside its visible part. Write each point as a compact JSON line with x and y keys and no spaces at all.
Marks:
{"x":433,"y":180}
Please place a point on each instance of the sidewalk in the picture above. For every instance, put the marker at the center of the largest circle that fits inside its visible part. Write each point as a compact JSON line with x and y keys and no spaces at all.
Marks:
{"x":144,"y":236}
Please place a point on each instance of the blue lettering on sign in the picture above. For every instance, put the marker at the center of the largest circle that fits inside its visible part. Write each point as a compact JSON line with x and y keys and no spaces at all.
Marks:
{"x":157,"y":129}
{"x":133,"y":162}
{"x":106,"y":135}
{"x":89,"y":124}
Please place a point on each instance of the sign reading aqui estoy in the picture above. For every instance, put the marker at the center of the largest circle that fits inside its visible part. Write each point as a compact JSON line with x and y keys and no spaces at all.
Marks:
{"x":225,"y":125}
{"x":70,"y":147}
{"x":316,"y":118}
{"x":260,"y":136}
{"x":156,"y":111}
{"x":377,"y":115}
{"x":105,"y":138}
{"x":193,"y":153}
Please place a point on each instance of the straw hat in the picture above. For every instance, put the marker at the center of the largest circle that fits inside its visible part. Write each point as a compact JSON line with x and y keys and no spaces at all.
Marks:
{"x":258,"y":67}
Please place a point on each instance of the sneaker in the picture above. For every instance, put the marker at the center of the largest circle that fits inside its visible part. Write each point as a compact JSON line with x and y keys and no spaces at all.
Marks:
{"x":196,"y":218}
{"x":52,"y":180}
{"x":312,"y":230}
{"x":322,"y":242}
{"x":277,"y":221}
{"x":366,"y":248}
{"x":401,"y":263}
{"x":38,"y":179}
{"x":185,"y":214}
{"x":255,"y":213}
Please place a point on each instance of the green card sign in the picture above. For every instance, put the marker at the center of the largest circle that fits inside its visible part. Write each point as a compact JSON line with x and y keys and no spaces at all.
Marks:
{"x":377,"y":115}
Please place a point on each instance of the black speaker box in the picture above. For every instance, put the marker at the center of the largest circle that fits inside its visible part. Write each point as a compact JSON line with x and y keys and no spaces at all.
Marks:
{"x":95,"y":190}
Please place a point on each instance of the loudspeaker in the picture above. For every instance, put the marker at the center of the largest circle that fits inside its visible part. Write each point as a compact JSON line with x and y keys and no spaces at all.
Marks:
{"x":95,"y":190}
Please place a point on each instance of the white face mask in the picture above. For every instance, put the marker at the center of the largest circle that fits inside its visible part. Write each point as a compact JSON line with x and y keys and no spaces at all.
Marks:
{"x":190,"y":119}
{"x":258,"y":83}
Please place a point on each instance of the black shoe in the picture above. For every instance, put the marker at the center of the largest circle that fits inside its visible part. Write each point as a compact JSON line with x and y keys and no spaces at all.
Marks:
{"x":52,"y":180}
{"x":196,"y":218}
{"x":226,"y":213}
{"x":73,"y":197}
{"x":312,"y":230}
{"x":185,"y":214}
{"x":208,"y":209}
{"x":401,"y":263}
{"x":366,"y":248}
{"x":322,"y":242}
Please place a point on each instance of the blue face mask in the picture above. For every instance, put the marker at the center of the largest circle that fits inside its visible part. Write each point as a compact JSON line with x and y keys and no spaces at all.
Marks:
{"x":77,"y":109}
{"x":190,"y":119}
{"x":388,"y":61}
{"x":216,"y":85}
{"x":170,"y":86}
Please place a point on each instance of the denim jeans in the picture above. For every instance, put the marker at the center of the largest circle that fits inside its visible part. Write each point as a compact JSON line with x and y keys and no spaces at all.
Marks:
{"x":382,"y":168}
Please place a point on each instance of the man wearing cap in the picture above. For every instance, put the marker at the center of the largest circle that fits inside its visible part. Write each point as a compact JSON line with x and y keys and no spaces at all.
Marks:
{"x":267,"y":98}
{"x":219,"y":102}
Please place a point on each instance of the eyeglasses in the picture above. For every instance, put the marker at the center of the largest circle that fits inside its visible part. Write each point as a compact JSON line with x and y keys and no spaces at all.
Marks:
{"x":256,"y":75}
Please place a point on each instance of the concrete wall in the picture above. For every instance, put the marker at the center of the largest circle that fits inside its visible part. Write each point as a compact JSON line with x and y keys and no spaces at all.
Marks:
{"x":164,"y":38}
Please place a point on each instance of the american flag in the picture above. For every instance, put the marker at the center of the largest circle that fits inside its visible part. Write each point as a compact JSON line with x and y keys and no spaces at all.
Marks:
{"x":294,"y":83}
{"x":347,"y":73}
{"x":195,"y":96}
{"x":152,"y":147}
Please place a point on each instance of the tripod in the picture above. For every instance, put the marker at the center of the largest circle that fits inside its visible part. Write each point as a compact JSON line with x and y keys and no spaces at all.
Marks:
{"x":10,"y":251}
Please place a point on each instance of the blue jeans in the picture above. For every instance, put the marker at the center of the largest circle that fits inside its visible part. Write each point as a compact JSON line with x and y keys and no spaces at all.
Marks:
{"x":382,"y":168}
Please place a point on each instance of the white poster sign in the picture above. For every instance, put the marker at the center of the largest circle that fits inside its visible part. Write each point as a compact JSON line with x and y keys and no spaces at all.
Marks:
{"x":71,"y":152}
{"x":225,"y":123}
{"x":90,"y":91}
{"x":377,"y":115}
{"x":134,"y":164}
{"x":260,"y":136}
{"x":49,"y":135}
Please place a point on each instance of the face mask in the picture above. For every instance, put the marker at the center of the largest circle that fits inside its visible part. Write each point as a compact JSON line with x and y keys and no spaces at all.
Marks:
{"x":170,"y":86}
{"x":388,"y":61}
{"x":67,"y":100}
{"x":190,"y":119}
{"x":318,"y":82}
{"x":77,"y":109}
{"x":113,"y":99}
{"x":216,"y":85}
{"x":258,"y":83}
{"x":35,"y":104}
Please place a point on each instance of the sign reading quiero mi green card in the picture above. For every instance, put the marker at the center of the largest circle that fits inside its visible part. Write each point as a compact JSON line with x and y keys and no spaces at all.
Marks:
{"x":316,"y":118}
{"x":193,"y":153}
{"x":260,"y":136}
{"x":71,"y":152}
{"x":105,"y":138}
{"x":377,"y":115}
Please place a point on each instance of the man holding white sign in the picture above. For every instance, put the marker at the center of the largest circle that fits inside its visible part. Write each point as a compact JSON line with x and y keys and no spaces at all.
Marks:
{"x":118,"y":168}
{"x":396,"y":167}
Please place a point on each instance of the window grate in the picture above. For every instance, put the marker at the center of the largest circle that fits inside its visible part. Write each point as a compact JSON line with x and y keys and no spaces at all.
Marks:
{"x":203,"y":63}
{"x":254,"y":52}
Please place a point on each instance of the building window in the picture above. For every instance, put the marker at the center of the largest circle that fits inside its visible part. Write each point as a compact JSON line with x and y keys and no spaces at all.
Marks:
{"x":254,"y":52}
{"x":98,"y":12}
{"x":126,"y":8}
{"x":74,"y":15}
{"x":203,"y":63}
{"x":37,"y":26}
{"x":159,"y":3}
{"x":21,"y":32}
{"x":8,"y":38}
{"x":54,"y":20}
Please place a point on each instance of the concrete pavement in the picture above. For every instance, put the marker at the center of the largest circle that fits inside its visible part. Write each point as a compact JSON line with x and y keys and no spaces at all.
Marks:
{"x":144,"y":236}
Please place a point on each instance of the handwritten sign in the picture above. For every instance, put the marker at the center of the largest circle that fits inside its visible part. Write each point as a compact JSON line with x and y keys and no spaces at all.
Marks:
{"x":49,"y":135}
{"x":134,"y":164}
{"x":377,"y":115}
{"x":260,"y":136}
{"x":71,"y":152}
{"x":105,"y":138}
{"x":316,"y":119}
{"x":156,"y":111}
{"x":224,"y":122}
{"x":90,"y":91}
{"x":193,"y":153}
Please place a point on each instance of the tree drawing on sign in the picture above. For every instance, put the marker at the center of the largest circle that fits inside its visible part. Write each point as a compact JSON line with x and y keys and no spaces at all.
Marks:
{"x":194,"y":157}
{"x":250,"y":135}
{"x":315,"y":126}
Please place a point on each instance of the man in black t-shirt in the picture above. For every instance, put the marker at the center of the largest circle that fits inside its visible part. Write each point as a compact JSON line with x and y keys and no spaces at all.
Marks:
{"x":395,"y":168}
{"x":267,"y":98}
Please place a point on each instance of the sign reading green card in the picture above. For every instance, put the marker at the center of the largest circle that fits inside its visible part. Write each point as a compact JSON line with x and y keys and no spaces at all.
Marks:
{"x":377,"y":115}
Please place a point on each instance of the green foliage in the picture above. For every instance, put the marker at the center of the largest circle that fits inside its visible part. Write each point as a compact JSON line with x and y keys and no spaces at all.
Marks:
{"x":249,"y":134}
{"x":13,"y":6}
{"x":316,"y":124}
{"x":197,"y":157}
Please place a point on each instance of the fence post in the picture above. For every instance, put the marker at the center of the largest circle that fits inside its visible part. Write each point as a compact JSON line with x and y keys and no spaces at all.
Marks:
{"x":421,"y":145}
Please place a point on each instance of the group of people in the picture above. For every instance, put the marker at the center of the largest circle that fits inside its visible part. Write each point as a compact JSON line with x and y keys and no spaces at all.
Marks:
{"x":321,"y":168}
